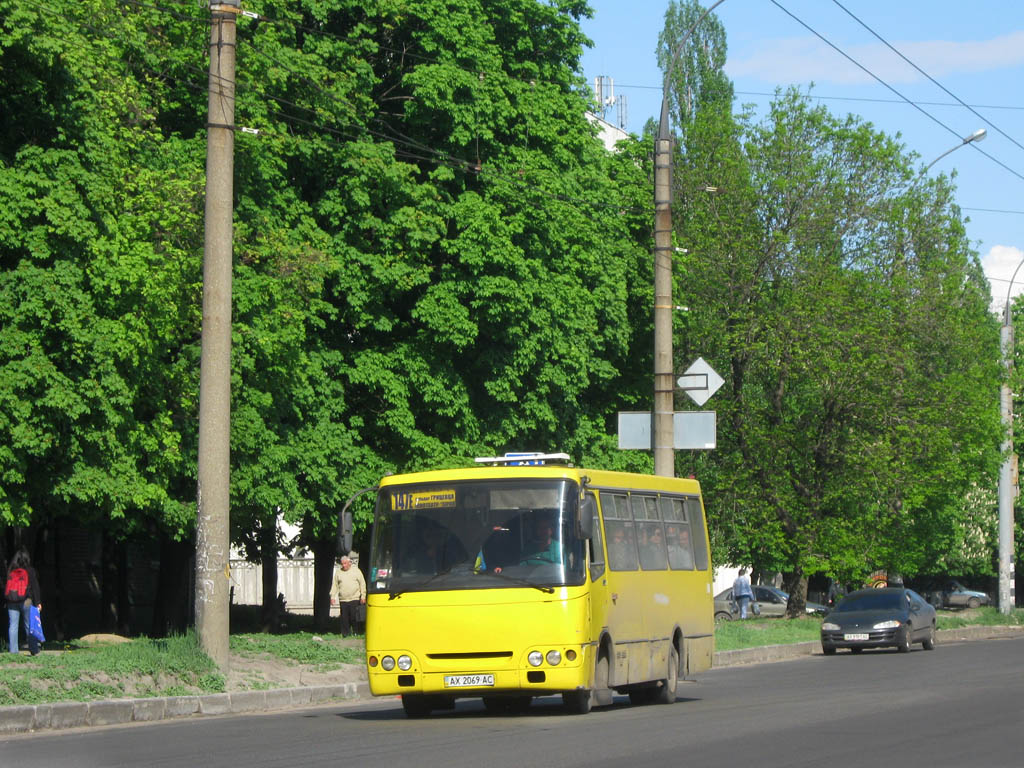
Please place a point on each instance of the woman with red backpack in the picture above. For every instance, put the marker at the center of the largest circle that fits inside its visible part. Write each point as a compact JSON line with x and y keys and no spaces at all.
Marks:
{"x":21,"y":592}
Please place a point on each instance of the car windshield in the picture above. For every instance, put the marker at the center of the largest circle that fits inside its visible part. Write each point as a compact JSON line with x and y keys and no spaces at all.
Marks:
{"x":871,"y":601}
{"x":476,"y":535}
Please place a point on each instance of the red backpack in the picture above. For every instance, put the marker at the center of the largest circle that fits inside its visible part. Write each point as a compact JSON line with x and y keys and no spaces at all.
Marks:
{"x":17,"y":586}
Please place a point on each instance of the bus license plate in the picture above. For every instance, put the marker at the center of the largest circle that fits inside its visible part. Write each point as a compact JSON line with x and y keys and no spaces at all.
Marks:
{"x":855,"y":636}
{"x":468,"y":681}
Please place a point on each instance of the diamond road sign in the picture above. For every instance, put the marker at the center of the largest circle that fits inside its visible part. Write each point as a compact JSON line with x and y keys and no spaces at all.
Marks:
{"x":700,"y":381}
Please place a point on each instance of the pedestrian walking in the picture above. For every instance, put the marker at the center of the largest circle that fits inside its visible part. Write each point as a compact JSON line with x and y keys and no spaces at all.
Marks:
{"x":742,"y":592}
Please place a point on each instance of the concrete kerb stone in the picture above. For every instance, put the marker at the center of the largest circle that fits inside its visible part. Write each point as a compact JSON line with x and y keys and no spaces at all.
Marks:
{"x":248,"y":701}
{"x":20,"y":718}
{"x":113,"y":712}
{"x":68,"y":714}
{"x":215,"y":704}
{"x":149,"y":710}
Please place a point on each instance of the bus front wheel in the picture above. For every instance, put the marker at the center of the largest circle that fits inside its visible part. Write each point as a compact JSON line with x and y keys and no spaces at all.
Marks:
{"x":416,"y":705}
{"x":577,"y":702}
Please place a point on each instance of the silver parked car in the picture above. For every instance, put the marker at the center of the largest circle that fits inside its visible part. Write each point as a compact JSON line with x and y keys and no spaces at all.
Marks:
{"x":771,"y":601}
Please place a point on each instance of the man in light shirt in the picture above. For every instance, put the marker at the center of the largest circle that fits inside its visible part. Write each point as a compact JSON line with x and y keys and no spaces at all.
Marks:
{"x":349,"y":592}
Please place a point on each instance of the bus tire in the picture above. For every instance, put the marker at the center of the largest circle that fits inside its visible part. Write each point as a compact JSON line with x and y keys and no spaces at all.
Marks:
{"x":602,"y":693}
{"x":578,"y":702}
{"x":416,"y":705}
{"x":667,"y":691}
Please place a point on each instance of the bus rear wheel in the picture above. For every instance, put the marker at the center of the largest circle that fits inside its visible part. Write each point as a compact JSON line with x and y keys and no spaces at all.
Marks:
{"x":666,"y":693}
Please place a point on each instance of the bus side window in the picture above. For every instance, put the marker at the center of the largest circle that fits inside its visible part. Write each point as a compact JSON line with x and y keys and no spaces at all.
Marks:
{"x":653,"y":554}
{"x":677,"y":534}
{"x":596,"y":551}
{"x":695,"y":513}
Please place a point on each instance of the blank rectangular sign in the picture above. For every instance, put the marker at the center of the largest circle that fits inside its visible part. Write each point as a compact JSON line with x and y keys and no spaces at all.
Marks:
{"x":691,"y":431}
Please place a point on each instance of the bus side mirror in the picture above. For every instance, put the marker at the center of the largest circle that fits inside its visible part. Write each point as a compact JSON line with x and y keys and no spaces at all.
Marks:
{"x":345,"y":522}
{"x":345,"y":533}
{"x":588,"y":511}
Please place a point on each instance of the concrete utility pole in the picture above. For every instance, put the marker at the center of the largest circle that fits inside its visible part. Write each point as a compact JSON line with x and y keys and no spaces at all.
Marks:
{"x":212,"y":495}
{"x":664,"y":384}
{"x":662,"y":421}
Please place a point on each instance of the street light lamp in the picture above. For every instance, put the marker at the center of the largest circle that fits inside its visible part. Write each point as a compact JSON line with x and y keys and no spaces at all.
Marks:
{"x":978,"y":135}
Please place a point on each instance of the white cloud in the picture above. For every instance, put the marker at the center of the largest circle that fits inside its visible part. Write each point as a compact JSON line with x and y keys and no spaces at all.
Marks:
{"x":803,"y":59}
{"x":999,"y":264}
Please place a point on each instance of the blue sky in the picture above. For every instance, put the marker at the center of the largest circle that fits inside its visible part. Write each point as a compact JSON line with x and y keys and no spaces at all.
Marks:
{"x":975,"y":50}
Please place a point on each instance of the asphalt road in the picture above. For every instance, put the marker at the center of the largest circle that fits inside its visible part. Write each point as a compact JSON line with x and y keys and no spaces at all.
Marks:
{"x":960,"y":705}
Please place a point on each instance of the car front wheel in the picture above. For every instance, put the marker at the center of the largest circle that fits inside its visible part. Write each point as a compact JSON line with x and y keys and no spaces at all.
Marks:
{"x":973,"y":602}
{"x":828,"y":650}
{"x":929,"y":643}
{"x":905,"y":637}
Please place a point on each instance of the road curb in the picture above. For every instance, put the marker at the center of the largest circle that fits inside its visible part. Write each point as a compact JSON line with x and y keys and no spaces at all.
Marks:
{"x":75,"y":714}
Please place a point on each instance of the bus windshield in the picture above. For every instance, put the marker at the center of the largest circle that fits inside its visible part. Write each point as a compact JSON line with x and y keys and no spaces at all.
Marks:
{"x":476,"y":535}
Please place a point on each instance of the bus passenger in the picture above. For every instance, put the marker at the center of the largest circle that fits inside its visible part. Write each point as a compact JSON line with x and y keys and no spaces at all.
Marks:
{"x":680,"y":555}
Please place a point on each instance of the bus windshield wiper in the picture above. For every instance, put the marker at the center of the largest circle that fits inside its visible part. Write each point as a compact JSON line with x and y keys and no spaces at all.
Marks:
{"x":523,"y":582}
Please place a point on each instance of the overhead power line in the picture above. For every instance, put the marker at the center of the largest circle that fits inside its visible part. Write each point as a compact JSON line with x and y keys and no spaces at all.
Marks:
{"x":932,"y":79}
{"x":909,"y":101}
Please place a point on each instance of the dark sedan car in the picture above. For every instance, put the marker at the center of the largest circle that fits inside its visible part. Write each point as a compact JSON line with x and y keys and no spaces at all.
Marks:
{"x":877,"y":618}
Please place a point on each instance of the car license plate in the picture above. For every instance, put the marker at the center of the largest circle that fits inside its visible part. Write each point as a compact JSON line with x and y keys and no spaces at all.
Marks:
{"x":855,"y":636}
{"x":468,"y":681}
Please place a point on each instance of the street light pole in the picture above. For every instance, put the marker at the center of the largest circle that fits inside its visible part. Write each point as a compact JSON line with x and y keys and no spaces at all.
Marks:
{"x":1007,"y":597}
{"x":978,"y":135}
{"x":1007,"y":591}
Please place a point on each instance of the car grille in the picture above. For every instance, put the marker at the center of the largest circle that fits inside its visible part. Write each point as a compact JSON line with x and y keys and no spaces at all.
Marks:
{"x":874,"y":635}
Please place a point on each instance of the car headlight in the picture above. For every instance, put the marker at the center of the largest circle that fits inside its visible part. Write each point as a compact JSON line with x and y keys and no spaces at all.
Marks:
{"x":830,"y":626}
{"x":890,"y":624}
{"x":554,"y":658}
{"x":536,"y":658}
{"x":404,"y":663}
{"x":387,"y":663}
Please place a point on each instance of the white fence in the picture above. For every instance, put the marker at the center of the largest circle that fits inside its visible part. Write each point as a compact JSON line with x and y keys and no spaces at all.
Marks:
{"x":294,"y":579}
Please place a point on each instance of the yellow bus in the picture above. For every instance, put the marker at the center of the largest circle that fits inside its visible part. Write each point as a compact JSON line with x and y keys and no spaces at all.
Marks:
{"x":526,"y":576}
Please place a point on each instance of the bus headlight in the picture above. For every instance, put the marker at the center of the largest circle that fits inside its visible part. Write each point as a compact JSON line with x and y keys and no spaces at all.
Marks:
{"x":387,"y":663}
{"x":404,"y":663}
{"x":536,"y":658}
{"x":554,"y":658}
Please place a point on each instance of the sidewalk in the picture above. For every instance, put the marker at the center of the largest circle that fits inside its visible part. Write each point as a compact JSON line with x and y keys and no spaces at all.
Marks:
{"x":76,"y":714}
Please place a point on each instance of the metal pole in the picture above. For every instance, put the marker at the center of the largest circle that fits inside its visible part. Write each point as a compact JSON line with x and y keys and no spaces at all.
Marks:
{"x":1007,"y":491}
{"x":213,"y":490}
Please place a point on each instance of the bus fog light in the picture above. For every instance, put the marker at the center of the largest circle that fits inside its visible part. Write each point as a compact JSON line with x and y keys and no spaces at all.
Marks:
{"x":570,"y":655}
{"x":554,"y":658}
{"x":373,"y":661}
{"x":404,"y":663}
{"x":387,"y":663}
{"x":536,"y":658}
